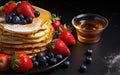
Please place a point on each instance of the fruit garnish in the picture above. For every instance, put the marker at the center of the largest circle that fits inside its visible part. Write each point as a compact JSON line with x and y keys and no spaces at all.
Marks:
{"x":36,"y":13}
{"x":66,"y":64}
{"x":59,"y":47}
{"x":26,"y":9}
{"x":16,"y":19}
{"x":21,"y":12}
{"x":56,"y":22}
{"x":20,"y":62}
{"x":67,"y":36}
{"x":4,"y":62}
{"x":59,"y":57}
{"x":10,"y":7}
{"x":53,"y":61}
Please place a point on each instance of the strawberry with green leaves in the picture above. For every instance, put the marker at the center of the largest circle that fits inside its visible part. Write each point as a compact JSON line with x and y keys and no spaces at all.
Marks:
{"x":66,"y":36}
{"x":26,"y":9}
{"x":10,"y":7}
{"x":4,"y":62}
{"x":56,"y":23}
{"x":20,"y":62}
{"x":59,"y":47}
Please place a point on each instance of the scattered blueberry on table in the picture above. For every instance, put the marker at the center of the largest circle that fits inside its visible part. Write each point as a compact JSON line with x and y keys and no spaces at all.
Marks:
{"x":83,"y":68}
{"x":88,"y":60}
{"x":89,"y":52}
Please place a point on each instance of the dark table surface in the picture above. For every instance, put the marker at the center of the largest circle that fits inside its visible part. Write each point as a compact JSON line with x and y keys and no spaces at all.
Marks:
{"x":109,"y":43}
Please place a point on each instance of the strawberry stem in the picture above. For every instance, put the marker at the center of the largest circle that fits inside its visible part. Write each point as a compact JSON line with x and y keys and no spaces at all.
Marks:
{"x":10,"y":1}
{"x":14,"y":61}
{"x":51,"y":44}
{"x":67,"y":27}
{"x":54,"y":17}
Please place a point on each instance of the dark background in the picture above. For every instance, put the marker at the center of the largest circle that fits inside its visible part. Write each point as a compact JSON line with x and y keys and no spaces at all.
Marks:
{"x":110,"y":41}
{"x":80,"y":5}
{"x":75,"y":7}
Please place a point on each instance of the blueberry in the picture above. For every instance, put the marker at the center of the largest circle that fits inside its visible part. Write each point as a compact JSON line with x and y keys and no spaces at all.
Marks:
{"x":29,"y":19}
{"x":23,"y":22}
{"x":12,"y":14}
{"x":47,"y":57}
{"x":36,"y":64}
{"x":59,"y":57}
{"x":37,"y":13}
{"x":50,"y":54}
{"x":33,"y":59}
{"x":89,"y":52}
{"x":66,"y":64}
{"x":8,"y":19}
{"x":16,"y":19}
{"x":88,"y":60}
{"x":53,"y":61}
{"x":42,"y":60}
{"x":56,"y":34}
{"x":39,"y":55}
{"x":21,"y":16}
{"x":83,"y":68}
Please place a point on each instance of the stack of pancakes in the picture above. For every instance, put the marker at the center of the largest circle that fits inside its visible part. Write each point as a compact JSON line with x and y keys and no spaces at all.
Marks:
{"x":30,"y":38}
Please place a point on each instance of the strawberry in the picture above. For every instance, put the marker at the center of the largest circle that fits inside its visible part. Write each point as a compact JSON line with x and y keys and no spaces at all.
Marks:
{"x":4,"y":62}
{"x":67,"y":36}
{"x":9,"y":8}
{"x":59,"y":47}
{"x":20,"y":62}
{"x":25,"y":2}
{"x":26,"y":9}
{"x":56,"y":23}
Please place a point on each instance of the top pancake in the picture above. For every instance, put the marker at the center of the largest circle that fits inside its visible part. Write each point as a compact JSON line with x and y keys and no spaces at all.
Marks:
{"x":28,"y":28}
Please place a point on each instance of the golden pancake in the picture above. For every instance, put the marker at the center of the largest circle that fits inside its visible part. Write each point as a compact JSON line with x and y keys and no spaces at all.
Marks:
{"x":30,"y":45}
{"x":17,"y":40}
{"x":27,"y":51}
{"x":38,"y":34}
{"x":44,"y":27}
{"x":1,"y":11}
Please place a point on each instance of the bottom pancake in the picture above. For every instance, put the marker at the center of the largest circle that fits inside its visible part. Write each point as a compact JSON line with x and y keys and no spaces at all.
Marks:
{"x":27,"y":51}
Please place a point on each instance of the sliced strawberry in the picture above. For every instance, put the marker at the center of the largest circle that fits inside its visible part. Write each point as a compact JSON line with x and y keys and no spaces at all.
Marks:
{"x":4,"y":62}
{"x":9,"y":8}
{"x":60,"y":48}
{"x":26,"y":9}
{"x":20,"y":62}
{"x":56,"y":22}
{"x":67,"y":37}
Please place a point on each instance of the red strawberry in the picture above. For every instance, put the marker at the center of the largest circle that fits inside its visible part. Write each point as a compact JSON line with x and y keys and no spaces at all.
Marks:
{"x":20,"y":62}
{"x":56,"y":22}
{"x":60,"y":47}
{"x":67,"y":37}
{"x":56,"y":25}
{"x":4,"y":62}
{"x":9,"y":8}
{"x":25,"y":2}
{"x":26,"y":9}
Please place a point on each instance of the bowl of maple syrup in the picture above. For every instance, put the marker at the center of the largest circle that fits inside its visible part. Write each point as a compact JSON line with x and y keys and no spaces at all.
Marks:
{"x":89,"y":27}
